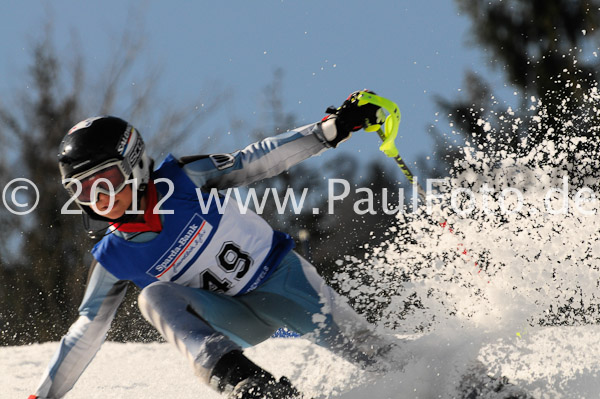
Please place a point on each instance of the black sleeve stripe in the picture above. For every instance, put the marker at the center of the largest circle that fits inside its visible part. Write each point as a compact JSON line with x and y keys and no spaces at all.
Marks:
{"x":192,"y":158}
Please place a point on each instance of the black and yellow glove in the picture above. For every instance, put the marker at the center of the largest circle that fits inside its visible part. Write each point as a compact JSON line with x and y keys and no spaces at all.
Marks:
{"x":350,"y":117}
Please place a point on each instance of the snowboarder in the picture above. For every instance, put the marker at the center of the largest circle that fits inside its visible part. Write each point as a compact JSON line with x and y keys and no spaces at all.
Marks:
{"x":213,"y":282}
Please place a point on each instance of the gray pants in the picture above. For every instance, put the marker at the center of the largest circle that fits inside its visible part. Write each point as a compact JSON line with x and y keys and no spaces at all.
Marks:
{"x":204,"y":325}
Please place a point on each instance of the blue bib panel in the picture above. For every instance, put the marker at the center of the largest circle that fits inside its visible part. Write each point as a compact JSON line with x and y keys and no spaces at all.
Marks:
{"x":219,"y":250}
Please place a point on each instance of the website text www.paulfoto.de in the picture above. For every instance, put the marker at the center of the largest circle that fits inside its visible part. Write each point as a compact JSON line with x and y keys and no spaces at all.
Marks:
{"x":21,"y":196}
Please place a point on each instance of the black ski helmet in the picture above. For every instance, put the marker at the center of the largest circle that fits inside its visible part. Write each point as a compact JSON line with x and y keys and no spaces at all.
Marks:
{"x":97,"y":140}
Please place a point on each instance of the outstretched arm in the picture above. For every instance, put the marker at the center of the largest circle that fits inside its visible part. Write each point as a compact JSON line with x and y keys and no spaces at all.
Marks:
{"x":103,"y":295}
{"x":263,"y":159}
{"x":272,"y":156}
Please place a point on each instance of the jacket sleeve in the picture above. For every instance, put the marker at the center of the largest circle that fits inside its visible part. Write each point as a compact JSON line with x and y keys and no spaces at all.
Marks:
{"x":263,"y":159}
{"x":103,"y":295}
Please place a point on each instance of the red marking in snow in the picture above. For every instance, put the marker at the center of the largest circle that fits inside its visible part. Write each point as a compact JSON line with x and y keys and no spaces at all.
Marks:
{"x":464,"y":250}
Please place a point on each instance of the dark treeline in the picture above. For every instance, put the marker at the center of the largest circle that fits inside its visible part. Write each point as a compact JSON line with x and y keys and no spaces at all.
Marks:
{"x":545,"y":51}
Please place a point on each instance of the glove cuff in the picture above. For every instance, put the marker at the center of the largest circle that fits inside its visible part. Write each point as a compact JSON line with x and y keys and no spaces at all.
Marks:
{"x":332,"y":131}
{"x":329,"y":129}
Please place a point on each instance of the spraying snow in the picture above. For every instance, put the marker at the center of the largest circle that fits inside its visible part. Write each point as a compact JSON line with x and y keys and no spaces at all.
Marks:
{"x":511,"y":244}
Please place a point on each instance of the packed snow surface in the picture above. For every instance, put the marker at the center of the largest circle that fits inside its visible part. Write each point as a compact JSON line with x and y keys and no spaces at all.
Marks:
{"x":553,"y":362}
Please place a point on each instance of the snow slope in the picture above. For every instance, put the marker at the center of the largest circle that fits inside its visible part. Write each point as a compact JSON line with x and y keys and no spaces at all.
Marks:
{"x":553,"y":362}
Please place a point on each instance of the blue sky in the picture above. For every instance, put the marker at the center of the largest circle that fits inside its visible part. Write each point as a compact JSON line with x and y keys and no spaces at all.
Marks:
{"x":408,"y":51}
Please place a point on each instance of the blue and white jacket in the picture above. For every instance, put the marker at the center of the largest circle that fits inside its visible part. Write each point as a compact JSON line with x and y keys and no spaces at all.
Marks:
{"x":222,"y":250}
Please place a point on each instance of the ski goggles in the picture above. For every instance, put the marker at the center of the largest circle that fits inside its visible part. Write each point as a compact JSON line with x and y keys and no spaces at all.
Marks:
{"x":109,"y":178}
